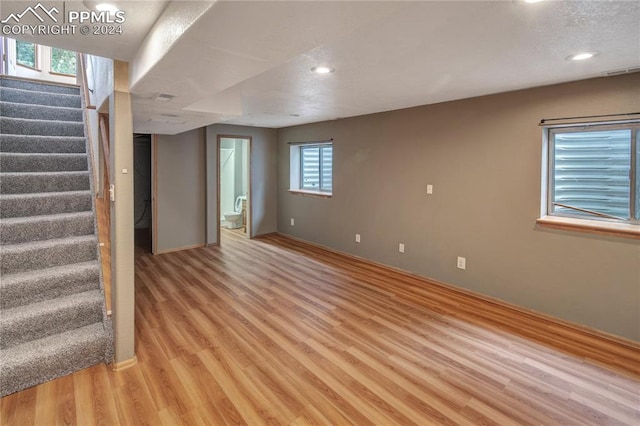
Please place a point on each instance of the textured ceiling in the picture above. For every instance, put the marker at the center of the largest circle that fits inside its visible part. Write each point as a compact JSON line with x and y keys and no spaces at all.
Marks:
{"x":249,"y":63}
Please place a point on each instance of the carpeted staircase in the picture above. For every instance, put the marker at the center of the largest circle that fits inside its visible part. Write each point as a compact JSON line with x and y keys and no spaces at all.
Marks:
{"x":52,"y":313}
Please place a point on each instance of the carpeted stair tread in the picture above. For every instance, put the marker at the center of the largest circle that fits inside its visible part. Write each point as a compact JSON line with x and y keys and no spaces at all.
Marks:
{"x":39,"y":162}
{"x":54,"y":356}
{"x":28,"y":183}
{"x":20,"y":110}
{"x":37,"y":204}
{"x":42,"y":144}
{"x":50,"y":283}
{"x":21,"y":96}
{"x":15,"y":258}
{"x":46,"y":227}
{"x":53,"y":318}
{"x":38,"y":86}
{"x":37,"y":320}
{"x":28,"y":126}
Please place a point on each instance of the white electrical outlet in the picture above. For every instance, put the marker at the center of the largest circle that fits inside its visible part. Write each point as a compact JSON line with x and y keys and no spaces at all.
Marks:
{"x":401,"y":248}
{"x":429,"y":189}
{"x":292,"y":222}
{"x":357,"y":238}
{"x":462,"y":263}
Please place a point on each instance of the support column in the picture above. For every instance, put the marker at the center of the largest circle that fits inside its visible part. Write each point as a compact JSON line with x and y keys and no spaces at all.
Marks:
{"x":122,"y":217}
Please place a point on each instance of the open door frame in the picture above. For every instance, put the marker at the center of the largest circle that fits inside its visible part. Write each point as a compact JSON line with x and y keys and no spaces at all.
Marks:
{"x":249,"y":195}
{"x":154,"y":194}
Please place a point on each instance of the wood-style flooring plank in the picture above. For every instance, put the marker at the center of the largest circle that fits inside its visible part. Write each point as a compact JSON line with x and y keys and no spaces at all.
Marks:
{"x":275,"y":331}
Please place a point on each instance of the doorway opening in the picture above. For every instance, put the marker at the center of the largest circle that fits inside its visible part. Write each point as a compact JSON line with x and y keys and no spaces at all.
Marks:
{"x":142,"y":192}
{"x":234,"y":185}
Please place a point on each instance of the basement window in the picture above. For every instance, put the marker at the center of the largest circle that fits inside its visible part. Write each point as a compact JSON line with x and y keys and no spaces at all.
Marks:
{"x":27,"y":54}
{"x":311,"y":168}
{"x":592,"y":178}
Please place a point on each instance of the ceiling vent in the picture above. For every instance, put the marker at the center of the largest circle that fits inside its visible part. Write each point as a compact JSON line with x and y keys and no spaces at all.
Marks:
{"x":163,"y":97}
{"x":622,"y":71}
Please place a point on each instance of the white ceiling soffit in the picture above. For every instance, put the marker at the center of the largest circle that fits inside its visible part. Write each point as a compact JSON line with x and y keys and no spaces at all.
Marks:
{"x":139,"y":18}
{"x":248,"y":63}
{"x":230,"y":43}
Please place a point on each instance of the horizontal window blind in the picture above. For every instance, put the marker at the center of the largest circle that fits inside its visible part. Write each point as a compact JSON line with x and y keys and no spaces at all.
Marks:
{"x":591,"y":171}
{"x":311,"y":168}
{"x":316,"y":167}
{"x":326,"y":168}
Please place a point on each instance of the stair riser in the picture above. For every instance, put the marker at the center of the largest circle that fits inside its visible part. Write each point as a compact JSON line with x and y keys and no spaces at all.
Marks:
{"x":36,"y":112}
{"x":43,"y":163}
{"x":37,"y":288}
{"x":39,"y":87}
{"x":21,"y":260}
{"x":45,"y":230}
{"x":53,"y":320}
{"x":39,"y":98}
{"x":48,"y":204}
{"x":42,"y":144}
{"x":75,"y":316}
{"x":75,"y":352}
{"x":19,"y":126}
{"x":25,"y":183}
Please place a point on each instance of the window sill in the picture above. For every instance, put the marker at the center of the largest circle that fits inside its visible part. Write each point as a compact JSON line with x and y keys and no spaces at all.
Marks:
{"x":62,"y":74}
{"x":29,"y":67}
{"x":312,"y":193}
{"x":623,"y":230}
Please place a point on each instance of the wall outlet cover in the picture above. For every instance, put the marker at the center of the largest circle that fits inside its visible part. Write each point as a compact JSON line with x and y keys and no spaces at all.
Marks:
{"x":462,"y":263}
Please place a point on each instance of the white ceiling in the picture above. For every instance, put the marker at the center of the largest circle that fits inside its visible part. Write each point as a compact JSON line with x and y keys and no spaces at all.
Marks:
{"x":249,"y":63}
{"x":140,"y":17}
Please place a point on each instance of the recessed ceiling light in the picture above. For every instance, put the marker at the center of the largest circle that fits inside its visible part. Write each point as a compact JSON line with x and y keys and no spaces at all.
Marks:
{"x":106,"y":7}
{"x":532,"y":1}
{"x":581,"y":56}
{"x":322,"y":69}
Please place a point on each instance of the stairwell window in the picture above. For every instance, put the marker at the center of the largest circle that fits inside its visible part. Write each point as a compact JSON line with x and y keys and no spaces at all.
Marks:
{"x":311,"y":168}
{"x":592,"y":175}
{"x":27,"y":54}
{"x":63,"y":61}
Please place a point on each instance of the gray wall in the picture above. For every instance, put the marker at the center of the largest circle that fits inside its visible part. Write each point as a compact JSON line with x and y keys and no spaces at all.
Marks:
{"x":263,"y":178}
{"x":483,"y":156}
{"x":181,"y":190}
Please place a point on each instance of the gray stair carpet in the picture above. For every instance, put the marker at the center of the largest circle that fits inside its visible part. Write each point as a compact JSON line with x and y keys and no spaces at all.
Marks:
{"x":53,"y":319}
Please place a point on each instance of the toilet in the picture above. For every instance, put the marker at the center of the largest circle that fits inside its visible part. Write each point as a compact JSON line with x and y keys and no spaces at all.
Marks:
{"x":233,"y":218}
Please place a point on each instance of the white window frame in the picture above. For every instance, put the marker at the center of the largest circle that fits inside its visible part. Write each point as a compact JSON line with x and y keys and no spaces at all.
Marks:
{"x":579,"y":222}
{"x":295,"y":169}
{"x":52,"y":71}
{"x":36,"y":56}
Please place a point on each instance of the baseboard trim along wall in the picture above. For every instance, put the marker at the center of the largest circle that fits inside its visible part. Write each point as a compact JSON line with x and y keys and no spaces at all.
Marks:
{"x":593,"y":345}
{"x":119,"y":366}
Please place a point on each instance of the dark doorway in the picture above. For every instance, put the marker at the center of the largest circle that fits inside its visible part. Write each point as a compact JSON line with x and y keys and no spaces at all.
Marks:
{"x":142,"y":191}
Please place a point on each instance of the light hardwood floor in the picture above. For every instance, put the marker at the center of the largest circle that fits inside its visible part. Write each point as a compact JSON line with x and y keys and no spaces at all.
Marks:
{"x":275,"y":331}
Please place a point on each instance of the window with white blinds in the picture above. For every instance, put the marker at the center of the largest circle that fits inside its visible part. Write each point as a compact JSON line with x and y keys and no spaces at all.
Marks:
{"x":316,"y":167}
{"x":311,"y":167}
{"x":593,"y":172}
